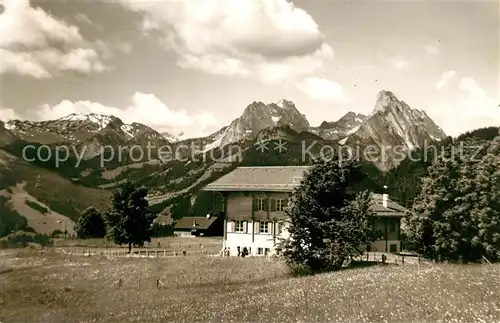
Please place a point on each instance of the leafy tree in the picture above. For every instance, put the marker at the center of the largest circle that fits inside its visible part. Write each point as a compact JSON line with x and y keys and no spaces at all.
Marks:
{"x":56,"y":233}
{"x":90,"y":224}
{"x":328,"y":222}
{"x":457,"y":213}
{"x":129,"y":220}
{"x":162,"y":230}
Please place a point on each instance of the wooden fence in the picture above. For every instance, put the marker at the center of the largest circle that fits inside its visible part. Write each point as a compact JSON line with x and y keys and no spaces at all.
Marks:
{"x":153,"y":253}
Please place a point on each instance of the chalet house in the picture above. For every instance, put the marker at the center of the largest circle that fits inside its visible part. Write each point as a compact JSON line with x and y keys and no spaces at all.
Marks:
{"x":254,"y":200}
{"x":208,"y":226}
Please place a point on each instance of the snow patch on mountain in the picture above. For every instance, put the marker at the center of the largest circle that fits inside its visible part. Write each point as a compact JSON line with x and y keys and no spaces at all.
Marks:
{"x":128,"y":130}
{"x":101,"y":120}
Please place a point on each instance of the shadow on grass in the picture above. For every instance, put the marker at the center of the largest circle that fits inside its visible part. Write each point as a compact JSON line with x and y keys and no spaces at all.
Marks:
{"x":300,"y":272}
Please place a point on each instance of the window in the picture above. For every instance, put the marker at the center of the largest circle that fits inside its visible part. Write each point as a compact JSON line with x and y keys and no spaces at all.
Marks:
{"x":280,"y":205}
{"x":264,"y":227}
{"x":392,"y":226}
{"x":260,"y":204}
{"x":278,"y":228}
{"x":266,"y":251}
{"x":260,"y":251}
{"x":393,"y":248}
{"x":239,"y":226}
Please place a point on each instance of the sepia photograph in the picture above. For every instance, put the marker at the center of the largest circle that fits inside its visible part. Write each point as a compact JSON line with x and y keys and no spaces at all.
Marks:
{"x":249,"y":161}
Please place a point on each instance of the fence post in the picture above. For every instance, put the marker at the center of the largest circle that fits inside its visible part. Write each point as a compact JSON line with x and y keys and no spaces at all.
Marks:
{"x":402,"y":260}
{"x":157,"y":282}
{"x":367,"y":255}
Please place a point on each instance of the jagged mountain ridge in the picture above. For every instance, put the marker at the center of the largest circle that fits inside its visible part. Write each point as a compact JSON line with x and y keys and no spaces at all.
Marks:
{"x":393,"y":125}
{"x":92,"y":130}
{"x":258,"y":116}
{"x":339,"y":129}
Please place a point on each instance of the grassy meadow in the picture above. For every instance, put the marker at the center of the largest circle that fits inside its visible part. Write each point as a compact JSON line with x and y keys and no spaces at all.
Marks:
{"x":49,"y":287}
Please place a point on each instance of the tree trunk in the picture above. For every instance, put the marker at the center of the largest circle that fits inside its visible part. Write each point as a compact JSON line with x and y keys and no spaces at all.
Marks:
{"x":129,"y":247}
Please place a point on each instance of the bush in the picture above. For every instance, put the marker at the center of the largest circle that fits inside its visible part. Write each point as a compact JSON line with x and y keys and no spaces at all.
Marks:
{"x":11,"y":220}
{"x":37,"y":207}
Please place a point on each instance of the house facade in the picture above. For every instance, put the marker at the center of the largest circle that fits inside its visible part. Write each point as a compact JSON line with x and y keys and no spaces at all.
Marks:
{"x":254,"y":202}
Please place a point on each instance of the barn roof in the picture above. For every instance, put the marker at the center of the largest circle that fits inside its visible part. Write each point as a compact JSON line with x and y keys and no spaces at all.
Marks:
{"x":195,"y":222}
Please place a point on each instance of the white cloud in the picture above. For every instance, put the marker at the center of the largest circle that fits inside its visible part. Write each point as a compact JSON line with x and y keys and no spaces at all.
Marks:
{"x":7,"y":114}
{"x":322,"y":89}
{"x":83,"y":18}
{"x":272,"y":40}
{"x":36,"y":44}
{"x":445,"y":78}
{"x":400,"y":63}
{"x":472,"y":109}
{"x":144,"y":108}
{"x":432,"y":50}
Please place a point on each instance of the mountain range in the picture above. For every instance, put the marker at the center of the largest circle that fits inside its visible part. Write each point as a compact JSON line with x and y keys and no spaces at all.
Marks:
{"x":392,"y":123}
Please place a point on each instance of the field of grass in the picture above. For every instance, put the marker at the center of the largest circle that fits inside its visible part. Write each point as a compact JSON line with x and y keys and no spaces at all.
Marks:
{"x":53,"y":288}
{"x":178,"y":243}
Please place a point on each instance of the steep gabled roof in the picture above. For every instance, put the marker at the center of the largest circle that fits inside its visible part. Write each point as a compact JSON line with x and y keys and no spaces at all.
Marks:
{"x":195,"y":222}
{"x":392,"y":208}
{"x":265,"y":178}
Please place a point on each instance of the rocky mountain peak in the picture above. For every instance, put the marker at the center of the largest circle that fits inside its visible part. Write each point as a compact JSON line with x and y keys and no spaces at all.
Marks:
{"x":285,"y":104}
{"x":335,"y":130}
{"x":393,"y":123}
{"x":258,"y":116}
{"x":385,"y":99}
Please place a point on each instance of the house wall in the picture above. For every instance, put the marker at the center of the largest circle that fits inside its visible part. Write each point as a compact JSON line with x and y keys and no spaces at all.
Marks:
{"x":389,"y":237}
{"x":252,"y":238}
{"x":184,"y":234}
{"x":240,"y":207}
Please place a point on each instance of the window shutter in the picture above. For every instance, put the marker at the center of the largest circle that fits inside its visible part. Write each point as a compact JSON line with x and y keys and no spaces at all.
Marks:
{"x":245,"y":226}
{"x":254,"y":204}
{"x":266,"y":204}
{"x":271,"y":227}
{"x":273,"y":205}
{"x":256,"y":226}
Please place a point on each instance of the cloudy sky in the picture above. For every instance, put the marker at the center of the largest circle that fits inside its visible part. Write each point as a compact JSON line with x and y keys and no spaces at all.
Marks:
{"x":194,"y":66}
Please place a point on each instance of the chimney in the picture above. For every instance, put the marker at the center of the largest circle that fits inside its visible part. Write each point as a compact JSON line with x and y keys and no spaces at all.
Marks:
{"x":194,"y":223}
{"x":385,"y":197}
